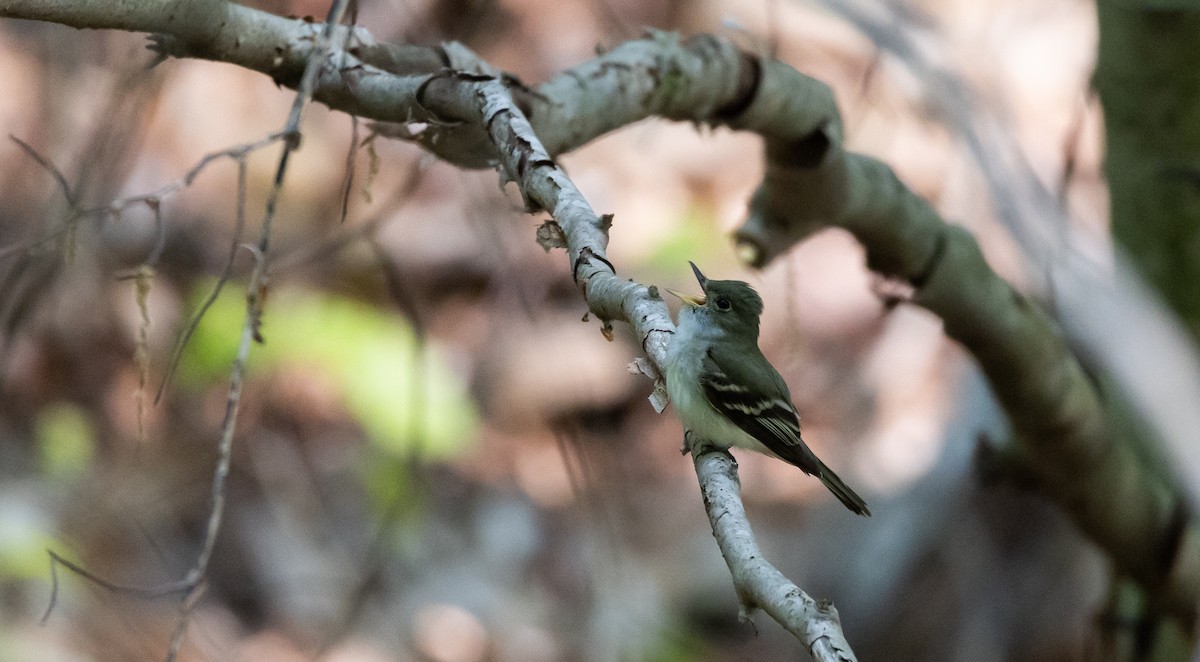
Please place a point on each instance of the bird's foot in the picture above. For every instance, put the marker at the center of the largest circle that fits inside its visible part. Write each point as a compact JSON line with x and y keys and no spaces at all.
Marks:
{"x":698,"y":446}
{"x":687,"y":443}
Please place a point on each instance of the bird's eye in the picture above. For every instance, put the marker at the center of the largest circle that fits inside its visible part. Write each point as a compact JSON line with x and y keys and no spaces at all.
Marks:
{"x":723,"y":304}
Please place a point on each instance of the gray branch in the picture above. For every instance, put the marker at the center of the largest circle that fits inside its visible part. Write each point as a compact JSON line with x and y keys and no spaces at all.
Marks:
{"x":457,"y":108}
{"x":472,"y":119}
{"x":758,"y":583}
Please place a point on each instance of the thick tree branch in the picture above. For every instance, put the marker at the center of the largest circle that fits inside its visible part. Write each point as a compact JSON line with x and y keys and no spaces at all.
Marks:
{"x":1061,"y":421}
{"x":545,"y":185}
{"x":474,"y":119}
{"x":812,"y":183}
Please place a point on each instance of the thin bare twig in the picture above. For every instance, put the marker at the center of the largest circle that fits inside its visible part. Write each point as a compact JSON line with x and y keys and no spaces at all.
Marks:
{"x":143,"y":281}
{"x":68,"y":194}
{"x":152,"y":199}
{"x":193,"y":583}
{"x":226,"y":272}
{"x":309,"y":254}
{"x":348,"y":181}
{"x":251,"y":329}
{"x":189,"y":605}
{"x":137,"y":591}
{"x":49,"y":167}
{"x":353,"y":150}
{"x":23,"y":246}
{"x":236,"y":152}
{"x":141,"y":352}
{"x":497,"y":130}
{"x":195,"y":576}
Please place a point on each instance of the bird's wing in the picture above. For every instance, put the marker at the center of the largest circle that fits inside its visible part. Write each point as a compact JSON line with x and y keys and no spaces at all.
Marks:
{"x":760,"y":405}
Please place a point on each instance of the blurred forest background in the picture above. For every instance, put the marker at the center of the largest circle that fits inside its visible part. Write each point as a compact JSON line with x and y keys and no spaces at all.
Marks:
{"x":436,"y":459}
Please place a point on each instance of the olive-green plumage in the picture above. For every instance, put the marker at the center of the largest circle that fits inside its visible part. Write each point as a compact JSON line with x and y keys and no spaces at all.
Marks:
{"x":727,"y":393}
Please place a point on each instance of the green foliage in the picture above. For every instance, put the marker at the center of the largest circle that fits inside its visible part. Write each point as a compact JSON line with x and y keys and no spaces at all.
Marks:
{"x":403,"y":395}
{"x":65,"y":439}
{"x":395,"y":491}
{"x":23,"y":541}
{"x":684,"y":645}
{"x":696,"y":238}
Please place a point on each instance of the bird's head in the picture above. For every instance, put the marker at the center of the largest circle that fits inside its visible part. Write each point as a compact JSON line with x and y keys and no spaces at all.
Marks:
{"x":730,"y":305}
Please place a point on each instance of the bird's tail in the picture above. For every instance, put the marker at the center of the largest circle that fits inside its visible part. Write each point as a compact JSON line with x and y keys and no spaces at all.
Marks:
{"x":842,"y":491}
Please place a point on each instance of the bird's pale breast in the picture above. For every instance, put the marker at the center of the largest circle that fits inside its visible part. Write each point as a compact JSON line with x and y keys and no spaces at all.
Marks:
{"x":684,"y":366}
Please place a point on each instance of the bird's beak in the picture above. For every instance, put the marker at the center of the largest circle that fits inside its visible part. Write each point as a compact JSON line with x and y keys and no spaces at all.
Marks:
{"x":694,"y":301}
{"x":699,"y":276}
{"x":690,"y":300}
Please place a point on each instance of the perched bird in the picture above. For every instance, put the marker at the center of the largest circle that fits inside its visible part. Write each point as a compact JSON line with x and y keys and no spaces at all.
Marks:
{"x":726,"y":392}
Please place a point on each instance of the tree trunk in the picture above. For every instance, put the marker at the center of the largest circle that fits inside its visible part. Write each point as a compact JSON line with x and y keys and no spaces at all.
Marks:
{"x":1148,"y":77}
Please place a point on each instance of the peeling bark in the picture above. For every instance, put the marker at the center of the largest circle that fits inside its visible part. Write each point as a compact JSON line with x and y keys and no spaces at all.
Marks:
{"x":476,"y":118}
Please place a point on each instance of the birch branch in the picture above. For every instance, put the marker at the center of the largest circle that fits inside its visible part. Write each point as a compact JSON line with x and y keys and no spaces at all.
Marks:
{"x":545,"y":185}
{"x":758,"y":583}
{"x":1143,"y":522}
{"x":1061,"y":420}
{"x":474,"y":121}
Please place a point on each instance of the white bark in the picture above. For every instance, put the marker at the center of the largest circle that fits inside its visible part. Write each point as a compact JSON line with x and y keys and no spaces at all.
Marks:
{"x":758,"y":583}
{"x":473,"y":121}
{"x":476,"y":120}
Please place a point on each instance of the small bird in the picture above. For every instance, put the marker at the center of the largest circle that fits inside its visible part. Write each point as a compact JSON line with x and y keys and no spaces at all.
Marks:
{"x":726,"y":392}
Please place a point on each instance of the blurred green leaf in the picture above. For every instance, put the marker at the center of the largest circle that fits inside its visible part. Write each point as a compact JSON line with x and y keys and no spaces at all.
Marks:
{"x":676,"y":646}
{"x":66,"y":440}
{"x":696,"y":237}
{"x":391,"y":486}
{"x":401,"y":396}
{"x":24,"y":540}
